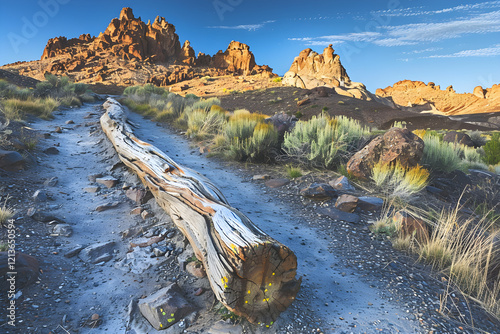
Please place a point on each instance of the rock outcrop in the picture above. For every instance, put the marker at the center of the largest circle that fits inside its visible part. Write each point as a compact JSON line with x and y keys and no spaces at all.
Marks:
{"x":311,"y":69}
{"x":419,"y":96}
{"x":132,"y":52}
{"x":395,"y":145}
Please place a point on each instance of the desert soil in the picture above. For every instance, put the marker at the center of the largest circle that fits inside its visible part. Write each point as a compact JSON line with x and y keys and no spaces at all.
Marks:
{"x":353,"y":281}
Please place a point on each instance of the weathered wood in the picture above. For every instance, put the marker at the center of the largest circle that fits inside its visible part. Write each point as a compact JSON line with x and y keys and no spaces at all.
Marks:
{"x":250,"y":273}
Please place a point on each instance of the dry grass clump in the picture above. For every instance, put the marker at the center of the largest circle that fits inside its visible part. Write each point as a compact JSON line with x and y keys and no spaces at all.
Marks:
{"x":399,"y":182}
{"x":324,"y":141}
{"x":6,"y":213}
{"x":293,"y":172}
{"x":441,"y":156}
{"x":468,"y":251}
{"x":17,"y":110}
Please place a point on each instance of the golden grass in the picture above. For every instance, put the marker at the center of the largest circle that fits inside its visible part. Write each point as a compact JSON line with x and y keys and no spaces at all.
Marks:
{"x":293,"y":172}
{"x":6,"y":213}
{"x":399,"y":182}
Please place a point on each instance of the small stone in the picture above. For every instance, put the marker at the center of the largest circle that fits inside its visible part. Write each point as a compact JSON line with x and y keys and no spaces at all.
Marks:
{"x":196,"y":269}
{"x":341,"y":183}
{"x":172,"y":303}
{"x":107,"y":181}
{"x":369,"y":203}
{"x":146,"y":214}
{"x":136,"y":211}
{"x":94,"y":316}
{"x":52,"y":182}
{"x":70,"y":122}
{"x":261,"y":177}
{"x":58,"y":129}
{"x":319,"y":191}
{"x":74,"y":251}
{"x":40,"y":196}
{"x":277,"y":183}
{"x":51,"y":150}
{"x":346,"y":203}
{"x":336,"y":214}
{"x":62,"y":230}
{"x":92,"y":189}
{"x":93,"y":177}
{"x":199,"y":292}
{"x":97,"y":252}
{"x":106,"y":206}
{"x":302,"y":102}
{"x":140,"y":196}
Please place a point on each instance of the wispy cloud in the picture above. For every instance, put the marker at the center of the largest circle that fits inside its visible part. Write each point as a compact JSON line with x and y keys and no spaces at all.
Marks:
{"x":249,"y":27}
{"x":422,"y":51}
{"x":419,"y":11}
{"x":484,"y":52}
{"x":416,"y":33}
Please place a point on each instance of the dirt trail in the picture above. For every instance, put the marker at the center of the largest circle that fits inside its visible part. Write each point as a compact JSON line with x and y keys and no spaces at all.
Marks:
{"x":333,"y":298}
{"x":329,"y":290}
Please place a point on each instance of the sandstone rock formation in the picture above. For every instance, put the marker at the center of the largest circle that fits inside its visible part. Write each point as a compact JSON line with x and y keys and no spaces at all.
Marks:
{"x":420,"y":96}
{"x":395,"y":145}
{"x":310,"y":70}
{"x":132,"y":52}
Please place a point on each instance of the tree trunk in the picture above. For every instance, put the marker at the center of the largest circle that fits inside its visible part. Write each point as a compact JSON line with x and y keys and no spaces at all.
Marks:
{"x":250,"y":273}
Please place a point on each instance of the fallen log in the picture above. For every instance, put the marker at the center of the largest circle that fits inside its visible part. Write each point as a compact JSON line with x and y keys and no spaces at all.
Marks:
{"x":252,"y":274}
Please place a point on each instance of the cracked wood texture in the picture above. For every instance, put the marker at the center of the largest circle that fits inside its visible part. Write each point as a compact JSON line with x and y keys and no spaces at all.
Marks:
{"x":252,"y":274}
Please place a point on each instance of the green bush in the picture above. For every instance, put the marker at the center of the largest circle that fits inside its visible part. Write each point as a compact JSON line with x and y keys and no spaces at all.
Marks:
{"x":259,"y":146}
{"x":441,"y":156}
{"x":324,"y":141}
{"x":492,"y":150}
{"x":16,"y":109}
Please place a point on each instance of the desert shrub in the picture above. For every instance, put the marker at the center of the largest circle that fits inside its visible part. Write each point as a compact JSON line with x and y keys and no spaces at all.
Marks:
{"x":323,"y":141}
{"x":200,"y":124}
{"x":420,"y":133}
{"x":492,"y":150}
{"x":260,"y":146}
{"x":277,"y":79}
{"x":398,"y":181}
{"x":439,"y":155}
{"x":16,"y":109}
{"x":399,"y":124}
{"x":477,"y":138}
{"x":293,"y":172}
{"x":247,"y":137}
{"x":472,"y":158}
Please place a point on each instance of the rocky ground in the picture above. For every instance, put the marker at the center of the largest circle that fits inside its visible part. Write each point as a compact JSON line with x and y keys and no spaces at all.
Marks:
{"x":353,"y":281}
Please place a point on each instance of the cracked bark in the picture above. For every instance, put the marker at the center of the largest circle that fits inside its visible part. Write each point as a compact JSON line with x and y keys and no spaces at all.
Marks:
{"x":252,"y":274}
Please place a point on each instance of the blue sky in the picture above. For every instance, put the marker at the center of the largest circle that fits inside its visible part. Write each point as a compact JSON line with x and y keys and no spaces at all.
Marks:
{"x":380,"y":42}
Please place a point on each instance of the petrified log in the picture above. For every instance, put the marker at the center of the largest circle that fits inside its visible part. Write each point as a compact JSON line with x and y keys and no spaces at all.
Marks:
{"x":252,"y":274}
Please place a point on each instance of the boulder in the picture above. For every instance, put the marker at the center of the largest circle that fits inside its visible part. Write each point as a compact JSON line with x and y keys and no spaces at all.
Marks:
{"x":277,"y":183}
{"x":395,"y":145}
{"x":319,"y":191}
{"x":341,"y":183}
{"x":11,"y":160}
{"x":370,"y":203}
{"x":165,"y":307}
{"x":409,"y":226}
{"x":346,"y":203}
{"x":27,"y":270}
{"x":99,"y":252}
{"x":237,"y":58}
{"x":459,"y":138}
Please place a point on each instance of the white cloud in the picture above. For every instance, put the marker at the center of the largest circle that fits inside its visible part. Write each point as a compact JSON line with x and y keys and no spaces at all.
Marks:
{"x":422,"y":51}
{"x":416,"y":33}
{"x":484,"y":52}
{"x":249,"y":27}
{"x":418,"y":11}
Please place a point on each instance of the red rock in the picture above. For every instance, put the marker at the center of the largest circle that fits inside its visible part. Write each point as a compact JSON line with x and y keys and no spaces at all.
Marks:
{"x":395,"y":145}
{"x":196,"y":269}
{"x":411,"y":226}
{"x":346,"y":203}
